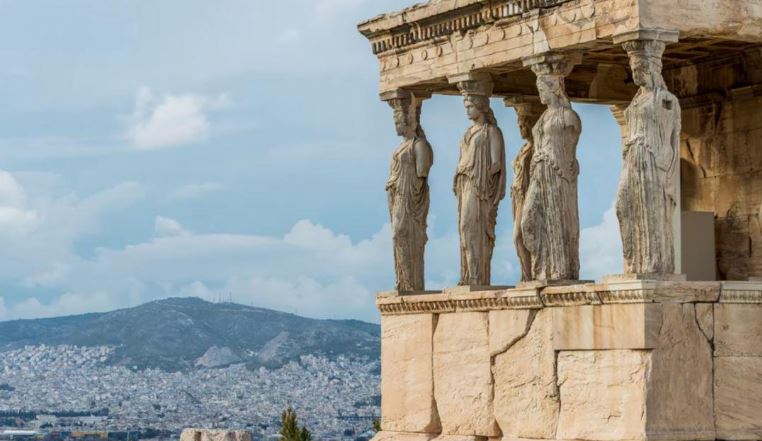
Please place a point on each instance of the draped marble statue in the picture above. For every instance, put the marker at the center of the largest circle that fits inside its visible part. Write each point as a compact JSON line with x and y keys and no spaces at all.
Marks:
{"x":479,"y":184}
{"x":646,"y":198}
{"x":550,"y":218}
{"x":527,"y":115}
{"x":408,"y":193}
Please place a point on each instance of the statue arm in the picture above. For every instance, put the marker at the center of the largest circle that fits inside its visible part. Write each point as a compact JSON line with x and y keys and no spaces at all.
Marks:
{"x":424,"y":158}
{"x":497,"y":150}
{"x":675,"y":137}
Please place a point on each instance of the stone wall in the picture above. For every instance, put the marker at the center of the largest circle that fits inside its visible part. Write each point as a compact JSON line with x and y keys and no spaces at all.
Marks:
{"x":721,"y":156}
{"x":627,"y":361}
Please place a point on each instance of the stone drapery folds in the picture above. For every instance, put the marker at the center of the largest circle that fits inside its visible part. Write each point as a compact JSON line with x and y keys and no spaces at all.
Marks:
{"x":550,"y":218}
{"x":646,"y":198}
{"x":527,"y":115}
{"x":408,"y":192}
{"x":479,"y":183}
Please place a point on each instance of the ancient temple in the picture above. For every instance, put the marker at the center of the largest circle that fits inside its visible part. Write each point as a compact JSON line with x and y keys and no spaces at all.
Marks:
{"x":671,"y":348}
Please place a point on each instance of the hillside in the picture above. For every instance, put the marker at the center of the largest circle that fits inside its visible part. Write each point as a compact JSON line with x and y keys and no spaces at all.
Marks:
{"x":181,"y":333}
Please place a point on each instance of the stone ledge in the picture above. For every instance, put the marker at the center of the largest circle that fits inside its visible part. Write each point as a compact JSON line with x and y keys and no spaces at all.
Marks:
{"x":536,"y":296}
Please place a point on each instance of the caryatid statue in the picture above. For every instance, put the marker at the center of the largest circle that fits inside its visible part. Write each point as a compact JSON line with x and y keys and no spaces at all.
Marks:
{"x":480,"y":183}
{"x":408,"y":192}
{"x":550,"y":217}
{"x":646,"y":198}
{"x":527,"y":114}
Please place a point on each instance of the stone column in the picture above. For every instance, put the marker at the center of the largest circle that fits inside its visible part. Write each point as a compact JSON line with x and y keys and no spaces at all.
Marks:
{"x":550,"y":217}
{"x":480,"y":180}
{"x":528,"y":111}
{"x":648,"y":196}
{"x":408,"y":190}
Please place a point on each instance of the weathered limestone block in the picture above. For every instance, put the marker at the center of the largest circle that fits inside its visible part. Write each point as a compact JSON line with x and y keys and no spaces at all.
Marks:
{"x":738,"y":397}
{"x":738,"y":330}
{"x":462,"y":375}
{"x":680,"y":388}
{"x":215,"y":435}
{"x":506,"y":327}
{"x":402,"y":436}
{"x":603,"y":394}
{"x":624,"y":326}
{"x":407,"y":383}
{"x":705,"y":319}
{"x":524,"y":369}
{"x":659,"y":393}
{"x":460,"y":438}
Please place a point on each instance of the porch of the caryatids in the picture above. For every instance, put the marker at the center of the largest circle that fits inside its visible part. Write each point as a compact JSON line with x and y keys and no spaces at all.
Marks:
{"x":549,"y":216}
{"x":528,"y":112}
{"x":648,"y":194}
{"x":480,"y":180}
{"x":408,"y":190}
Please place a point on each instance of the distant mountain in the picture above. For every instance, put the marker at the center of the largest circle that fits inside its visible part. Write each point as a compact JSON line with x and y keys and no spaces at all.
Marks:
{"x":181,"y":333}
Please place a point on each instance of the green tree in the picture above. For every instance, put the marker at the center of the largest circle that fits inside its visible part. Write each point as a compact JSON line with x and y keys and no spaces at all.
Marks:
{"x":290,"y":430}
{"x":376,"y":426}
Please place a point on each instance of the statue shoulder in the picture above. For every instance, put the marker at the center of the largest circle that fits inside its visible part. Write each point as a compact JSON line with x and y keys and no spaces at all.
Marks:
{"x":494,"y":131}
{"x":422,"y":143}
{"x":571,"y":118}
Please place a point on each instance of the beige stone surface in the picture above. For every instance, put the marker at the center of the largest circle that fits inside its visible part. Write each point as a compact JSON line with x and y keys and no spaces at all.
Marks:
{"x":215,"y":435}
{"x":524,"y":369}
{"x":407,"y":383}
{"x":603,"y":394}
{"x":721,"y":18}
{"x":460,"y":438}
{"x":462,"y":376}
{"x":506,"y":327}
{"x":402,"y":436}
{"x":573,"y":24}
{"x":626,"y":326}
{"x":705,"y":319}
{"x":738,"y":329}
{"x":660,"y":393}
{"x":738,"y":397}
{"x":680,"y":405}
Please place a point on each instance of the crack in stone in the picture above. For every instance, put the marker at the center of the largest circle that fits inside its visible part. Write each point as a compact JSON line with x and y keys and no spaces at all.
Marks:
{"x":434,"y":407}
{"x":510,"y":344}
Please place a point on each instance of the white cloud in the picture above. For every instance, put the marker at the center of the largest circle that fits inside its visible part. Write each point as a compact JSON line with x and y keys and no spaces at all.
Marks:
{"x":601,"y":248}
{"x":192,"y":191}
{"x":37,"y":245}
{"x":15,"y":218}
{"x":66,"y":304}
{"x":310,"y":270}
{"x":165,"y":227}
{"x":171,"y":120}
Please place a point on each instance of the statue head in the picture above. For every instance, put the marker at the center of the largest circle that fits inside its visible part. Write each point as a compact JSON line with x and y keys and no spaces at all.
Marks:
{"x":407,"y":112}
{"x":478,"y":109}
{"x":645,"y":62}
{"x":527,"y":115}
{"x":552,"y":90}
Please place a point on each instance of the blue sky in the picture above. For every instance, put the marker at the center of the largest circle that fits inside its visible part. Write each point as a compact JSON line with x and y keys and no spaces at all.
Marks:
{"x":187,"y":147}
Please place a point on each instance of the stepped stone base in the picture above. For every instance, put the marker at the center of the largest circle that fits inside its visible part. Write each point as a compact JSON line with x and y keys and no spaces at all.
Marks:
{"x":215,"y":435}
{"x":634,"y":360}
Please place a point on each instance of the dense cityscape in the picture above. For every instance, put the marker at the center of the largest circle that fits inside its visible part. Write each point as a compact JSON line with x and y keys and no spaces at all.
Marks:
{"x":336,"y":399}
